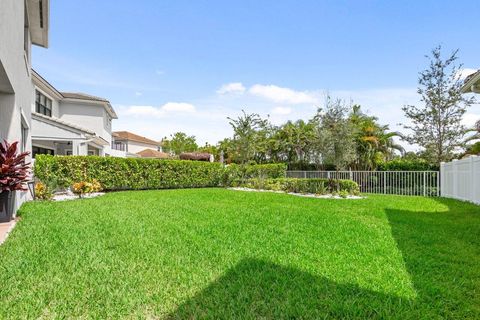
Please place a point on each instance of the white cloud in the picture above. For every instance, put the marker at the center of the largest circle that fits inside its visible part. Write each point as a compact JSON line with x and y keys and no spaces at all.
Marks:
{"x":158,"y":112}
{"x":138,"y":93}
{"x":206,"y":118}
{"x":178,"y":107}
{"x":465,"y":72}
{"x":283,"y":95}
{"x":469,"y":119}
{"x":281,"y":110}
{"x":140,"y":111}
{"x":234,"y":87}
{"x":160,"y":72}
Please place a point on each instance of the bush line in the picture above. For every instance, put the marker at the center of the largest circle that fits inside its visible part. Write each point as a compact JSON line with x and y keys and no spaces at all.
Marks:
{"x":139,"y":174}
{"x":314,"y":186}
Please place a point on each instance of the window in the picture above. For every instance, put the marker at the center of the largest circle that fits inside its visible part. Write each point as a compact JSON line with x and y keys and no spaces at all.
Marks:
{"x":40,"y":150}
{"x":117,"y":145}
{"x":108,"y":121}
{"x":43,"y":104}
{"x":24,"y":137}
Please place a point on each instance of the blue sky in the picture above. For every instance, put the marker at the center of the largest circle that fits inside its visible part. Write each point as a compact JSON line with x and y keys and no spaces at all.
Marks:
{"x":171,"y":66}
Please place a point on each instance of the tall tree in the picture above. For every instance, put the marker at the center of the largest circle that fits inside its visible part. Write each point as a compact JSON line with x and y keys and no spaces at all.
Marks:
{"x":436,"y":125}
{"x":295,"y":141}
{"x":227,"y":150}
{"x":245,"y":135}
{"x":374,"y":142}
{"x":179,"y":142}
{"x":335,"y":141}
{"x":213,"y":150}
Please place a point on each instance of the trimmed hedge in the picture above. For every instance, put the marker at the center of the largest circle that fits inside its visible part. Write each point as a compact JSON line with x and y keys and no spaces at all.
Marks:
{"x":315,"y":186}
{"x":136,"y":173}
{"x":407,"y":165}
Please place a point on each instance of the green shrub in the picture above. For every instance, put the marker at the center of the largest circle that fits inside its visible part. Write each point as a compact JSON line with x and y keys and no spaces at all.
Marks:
{"x":136,"y":173}
{"x":315,"y":186}
{"x":242,"y":172}
{"x":81,"y":188}
{"x":407,"y":165}
{"x":42,"y":192}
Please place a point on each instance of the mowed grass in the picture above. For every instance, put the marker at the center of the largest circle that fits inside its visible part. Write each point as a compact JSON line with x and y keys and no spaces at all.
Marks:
{"x":223,"y":254}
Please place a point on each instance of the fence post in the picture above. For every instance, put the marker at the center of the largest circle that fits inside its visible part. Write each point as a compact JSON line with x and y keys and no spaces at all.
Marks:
{"x":424,"y":183}
{"x":439,"y":188}
{"x":472,"y":178}
{"x":384,"y":182}
{"x":441,"y":175}
{"x":305,"y":174}
{"x":328,"y":174}
{"x":455,"y":177}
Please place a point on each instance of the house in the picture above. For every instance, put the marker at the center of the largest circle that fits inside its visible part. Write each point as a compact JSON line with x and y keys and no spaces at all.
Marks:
{"x":22,"y":23}
{"x":472,"y":83}
{"x":66,"y":123}
{"x":134,"y":145}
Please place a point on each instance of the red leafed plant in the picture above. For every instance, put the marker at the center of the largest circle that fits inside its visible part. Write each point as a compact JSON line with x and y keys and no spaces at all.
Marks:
{"x":13,"y":169}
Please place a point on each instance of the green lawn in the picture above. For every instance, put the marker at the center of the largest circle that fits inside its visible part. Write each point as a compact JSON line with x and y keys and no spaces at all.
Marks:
{"x":215,"y":253}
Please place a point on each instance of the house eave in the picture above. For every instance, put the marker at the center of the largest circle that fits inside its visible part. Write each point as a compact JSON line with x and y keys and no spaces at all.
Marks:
{"x":61,"y":124}
{"x":39,"y":24}
{"x":108,"y":107}
{"x":472,"y":85}
{"x":43,"y":84}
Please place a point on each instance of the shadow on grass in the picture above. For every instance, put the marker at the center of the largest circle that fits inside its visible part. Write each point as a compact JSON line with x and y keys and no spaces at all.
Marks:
{"x":441,"y":254}
{"x":260,"y":289}
{"x":440,"y":251}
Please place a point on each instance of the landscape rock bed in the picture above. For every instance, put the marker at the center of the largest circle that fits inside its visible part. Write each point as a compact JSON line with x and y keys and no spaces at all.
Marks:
{"x":69,"y":195}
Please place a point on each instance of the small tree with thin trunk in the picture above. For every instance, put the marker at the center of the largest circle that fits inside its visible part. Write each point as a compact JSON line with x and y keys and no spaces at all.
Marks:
{"x":436,"y":125}
{"x":335,"y":134}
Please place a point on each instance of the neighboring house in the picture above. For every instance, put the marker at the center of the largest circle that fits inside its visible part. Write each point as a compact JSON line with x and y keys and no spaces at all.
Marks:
{"x":22,"y":23}
{"x":472,"y":83}
{"x":65,"y":123}
{"x":133,"y":144}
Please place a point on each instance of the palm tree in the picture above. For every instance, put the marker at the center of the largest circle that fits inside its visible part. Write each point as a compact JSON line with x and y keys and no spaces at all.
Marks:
{"x":375,"y":143}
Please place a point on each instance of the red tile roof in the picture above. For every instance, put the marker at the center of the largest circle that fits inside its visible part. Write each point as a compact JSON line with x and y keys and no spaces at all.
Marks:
{"x":149,"y":153}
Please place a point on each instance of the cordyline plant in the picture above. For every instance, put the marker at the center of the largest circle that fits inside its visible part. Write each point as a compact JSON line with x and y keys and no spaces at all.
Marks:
{"x":13,"y":169}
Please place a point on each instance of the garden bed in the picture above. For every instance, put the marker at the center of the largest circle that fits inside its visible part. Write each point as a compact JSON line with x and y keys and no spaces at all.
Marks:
{"x":68,"y":195}
{"x":306,"y":195}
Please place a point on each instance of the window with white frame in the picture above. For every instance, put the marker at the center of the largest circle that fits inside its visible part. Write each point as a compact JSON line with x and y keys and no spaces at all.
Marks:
{"x":24,"y":138}
{"x":24,"y":134}
{"x":43,"y":104}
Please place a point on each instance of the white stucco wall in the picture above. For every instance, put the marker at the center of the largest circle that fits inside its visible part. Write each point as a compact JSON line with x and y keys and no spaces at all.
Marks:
{"x":14,"y":73}
{"x":134,"y":147}
{"x":115,"y":153}
{"x":88,"y":116}
{"x":42,"y":130}
{"x":17,"y":69}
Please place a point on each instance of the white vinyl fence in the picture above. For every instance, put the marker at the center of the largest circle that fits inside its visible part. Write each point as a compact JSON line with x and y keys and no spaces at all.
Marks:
{"x":461,"y":179}
{"x":412,"y":183}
